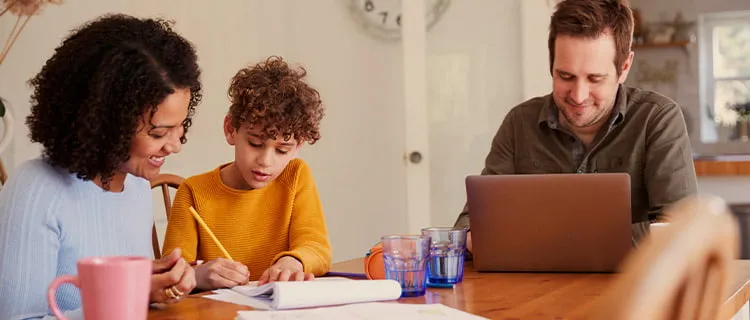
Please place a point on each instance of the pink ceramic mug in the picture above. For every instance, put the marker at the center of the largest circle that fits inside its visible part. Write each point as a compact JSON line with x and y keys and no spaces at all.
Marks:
{"x":113,"y":288}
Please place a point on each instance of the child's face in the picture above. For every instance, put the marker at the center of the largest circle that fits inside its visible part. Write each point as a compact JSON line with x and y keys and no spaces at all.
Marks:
{"x":259,"y":161}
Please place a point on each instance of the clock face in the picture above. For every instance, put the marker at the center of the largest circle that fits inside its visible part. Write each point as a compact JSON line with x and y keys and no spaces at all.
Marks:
{"x":382,"y":18}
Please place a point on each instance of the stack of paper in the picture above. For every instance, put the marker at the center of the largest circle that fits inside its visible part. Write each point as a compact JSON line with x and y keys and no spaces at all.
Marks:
{"x":305,"y":294}
{"x":364,"y":311}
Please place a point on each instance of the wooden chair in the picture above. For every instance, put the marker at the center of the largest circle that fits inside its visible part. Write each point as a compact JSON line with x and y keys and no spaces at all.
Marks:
{"x":680,"y":272}
{"x":3,"y":174}
{"x":165,"y":181}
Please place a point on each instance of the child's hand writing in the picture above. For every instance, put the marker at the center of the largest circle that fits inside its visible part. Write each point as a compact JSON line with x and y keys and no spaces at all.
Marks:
{"x":221,"y":273}
{"x":287,"y":268}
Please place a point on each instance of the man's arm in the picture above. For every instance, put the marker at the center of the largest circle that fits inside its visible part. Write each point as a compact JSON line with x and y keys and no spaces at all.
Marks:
{"x":669,"y":171}
{"x":499,"y":160}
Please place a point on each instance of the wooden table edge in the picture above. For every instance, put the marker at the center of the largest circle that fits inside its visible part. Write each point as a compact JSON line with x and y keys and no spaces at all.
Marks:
{"x":736,"y":301}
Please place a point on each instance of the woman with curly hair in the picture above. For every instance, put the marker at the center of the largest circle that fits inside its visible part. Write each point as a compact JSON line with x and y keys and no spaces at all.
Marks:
{"x":114,"y":100}
{"x":263,"y":207}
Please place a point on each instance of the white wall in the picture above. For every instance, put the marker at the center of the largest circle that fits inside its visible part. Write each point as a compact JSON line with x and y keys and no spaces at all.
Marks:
{"x":535,"y":59}
{"x":473,"y":80}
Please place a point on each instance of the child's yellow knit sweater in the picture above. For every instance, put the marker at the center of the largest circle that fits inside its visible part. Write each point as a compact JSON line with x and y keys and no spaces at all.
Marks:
{"x":256,"y":227}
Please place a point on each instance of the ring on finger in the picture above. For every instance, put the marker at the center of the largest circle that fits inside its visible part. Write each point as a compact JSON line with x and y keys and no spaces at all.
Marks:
{"x":170,"y":294}
{"x":176,"y":291}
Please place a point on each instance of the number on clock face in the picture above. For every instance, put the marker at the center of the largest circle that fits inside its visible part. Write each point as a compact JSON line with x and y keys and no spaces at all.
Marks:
{"x":383,"y":17}
{"x":387,"y":13}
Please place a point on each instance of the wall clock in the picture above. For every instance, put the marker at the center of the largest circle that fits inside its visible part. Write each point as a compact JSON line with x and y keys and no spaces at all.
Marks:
{"x":382,"y":18}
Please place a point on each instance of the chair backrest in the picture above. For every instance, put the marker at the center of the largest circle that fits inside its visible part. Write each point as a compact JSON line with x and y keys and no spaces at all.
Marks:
{"x":680,"y":272}
{"x":3,"y":174}
{"x":165,"y":181}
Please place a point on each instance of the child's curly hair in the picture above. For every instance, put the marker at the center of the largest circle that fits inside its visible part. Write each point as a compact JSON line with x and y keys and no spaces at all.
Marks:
{"x":273,"y":95}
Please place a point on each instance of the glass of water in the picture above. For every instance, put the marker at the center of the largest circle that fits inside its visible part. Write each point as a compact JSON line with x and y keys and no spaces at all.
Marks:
{"x":405,"y":258}
{"x":446,"y":264}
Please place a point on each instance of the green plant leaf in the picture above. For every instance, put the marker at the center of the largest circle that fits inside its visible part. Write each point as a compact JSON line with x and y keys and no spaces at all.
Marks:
{"x":2,"y":108}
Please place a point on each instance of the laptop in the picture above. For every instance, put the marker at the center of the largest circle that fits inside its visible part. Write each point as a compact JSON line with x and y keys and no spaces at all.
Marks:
{"x":549,"y":222}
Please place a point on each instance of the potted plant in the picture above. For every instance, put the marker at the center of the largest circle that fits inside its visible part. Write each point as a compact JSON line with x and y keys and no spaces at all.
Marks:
{"x":743,"y":120}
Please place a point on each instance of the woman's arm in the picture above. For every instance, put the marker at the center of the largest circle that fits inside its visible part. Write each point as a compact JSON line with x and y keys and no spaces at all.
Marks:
{"x":29,"y":243}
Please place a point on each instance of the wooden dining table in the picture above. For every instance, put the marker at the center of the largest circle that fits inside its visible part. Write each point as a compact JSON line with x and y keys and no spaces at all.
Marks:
{"x":490,"y":295}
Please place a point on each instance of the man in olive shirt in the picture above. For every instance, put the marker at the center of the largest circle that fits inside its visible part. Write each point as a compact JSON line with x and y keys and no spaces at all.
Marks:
{"x":591,"y":122}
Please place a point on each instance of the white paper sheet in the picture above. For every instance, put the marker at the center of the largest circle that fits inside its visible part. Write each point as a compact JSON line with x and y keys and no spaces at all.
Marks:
{"x":230,"y":296}
{"x":364,"y":311}
{"x":252,"y":289}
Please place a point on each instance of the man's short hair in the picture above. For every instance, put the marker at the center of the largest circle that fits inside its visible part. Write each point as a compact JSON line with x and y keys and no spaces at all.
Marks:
{"x":590,"y":19}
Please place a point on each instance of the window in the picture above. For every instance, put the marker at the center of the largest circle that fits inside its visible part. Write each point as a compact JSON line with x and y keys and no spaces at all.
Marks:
{"x":724,"y":83}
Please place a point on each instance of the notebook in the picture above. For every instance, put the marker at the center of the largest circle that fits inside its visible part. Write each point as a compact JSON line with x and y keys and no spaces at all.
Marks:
{"x":306,"y":294}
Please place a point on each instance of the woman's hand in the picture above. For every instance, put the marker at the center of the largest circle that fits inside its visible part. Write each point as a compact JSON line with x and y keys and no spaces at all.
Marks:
{"x":221,"y":273}
{"x":172,"y":278}
{"x":287,"y":268}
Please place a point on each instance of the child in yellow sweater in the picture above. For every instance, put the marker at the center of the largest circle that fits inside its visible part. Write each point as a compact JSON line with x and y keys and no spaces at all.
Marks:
{"x":263,"y":207}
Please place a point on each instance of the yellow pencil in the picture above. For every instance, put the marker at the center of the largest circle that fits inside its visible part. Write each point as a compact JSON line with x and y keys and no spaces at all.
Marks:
{"x":211,"y":234}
